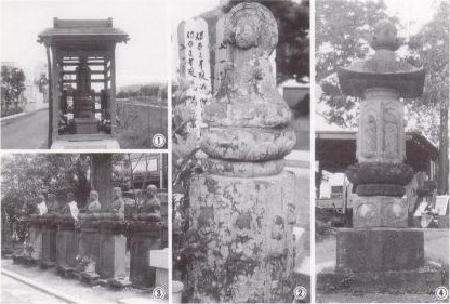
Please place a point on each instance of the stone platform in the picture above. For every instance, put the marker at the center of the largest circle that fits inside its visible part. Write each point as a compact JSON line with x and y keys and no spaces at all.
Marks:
{"x":360,"y":250}
{"x":422,"y":280}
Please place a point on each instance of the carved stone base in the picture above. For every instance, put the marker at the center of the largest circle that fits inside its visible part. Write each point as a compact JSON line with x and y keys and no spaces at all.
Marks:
{"x":380,"y":211}
{"x":378,"y":249}
{"x":240,"y":238}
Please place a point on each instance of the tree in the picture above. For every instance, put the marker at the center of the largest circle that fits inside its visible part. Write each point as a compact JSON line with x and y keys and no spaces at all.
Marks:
{"x":343,"y":33}
{"x":292,"y":56}
{"x":13,"y":84}
{"x":430,"y":48}
{"x":25,"y":176}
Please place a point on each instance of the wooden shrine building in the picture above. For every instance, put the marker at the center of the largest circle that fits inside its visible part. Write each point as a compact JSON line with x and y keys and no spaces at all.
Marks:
{"x":82,"y":76}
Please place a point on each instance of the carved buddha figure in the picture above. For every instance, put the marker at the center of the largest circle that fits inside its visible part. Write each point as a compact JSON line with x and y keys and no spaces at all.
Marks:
{"x":83,"y":77}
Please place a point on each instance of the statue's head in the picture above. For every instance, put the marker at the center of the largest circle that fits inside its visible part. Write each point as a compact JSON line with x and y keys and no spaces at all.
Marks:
{"x":51,"y":197}
{"x":93,"y":195}
{"x":151,"y":191}
{"x":40,"y":198}
{"x":117,"y":192}
{"x":249,"y":25}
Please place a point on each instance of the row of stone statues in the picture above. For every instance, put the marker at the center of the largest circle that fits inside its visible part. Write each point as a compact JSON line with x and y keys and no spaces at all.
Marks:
{"x":149,"y":204}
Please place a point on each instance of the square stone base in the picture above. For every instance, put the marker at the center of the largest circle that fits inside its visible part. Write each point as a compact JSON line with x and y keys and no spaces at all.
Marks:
{"x":86,"y":126}
{"x":380,"y":211}
{"x":379,"y":249}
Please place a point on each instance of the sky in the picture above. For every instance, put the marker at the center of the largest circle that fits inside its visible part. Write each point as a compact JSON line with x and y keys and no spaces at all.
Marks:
{"x":143,"y":59}
{"x":146,"y":56}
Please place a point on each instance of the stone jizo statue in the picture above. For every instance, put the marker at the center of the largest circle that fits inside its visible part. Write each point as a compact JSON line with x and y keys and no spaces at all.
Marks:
{"x":71,"y":206}
{"x":151,"y":203}
{"x":41,"y":206}
{"x":118,"y":204}
{"x":94,"y":205}
{"x":53,"y":205}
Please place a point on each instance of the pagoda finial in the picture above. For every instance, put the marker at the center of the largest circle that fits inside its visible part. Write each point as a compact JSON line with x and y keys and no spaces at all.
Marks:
{"x":385,"y":36}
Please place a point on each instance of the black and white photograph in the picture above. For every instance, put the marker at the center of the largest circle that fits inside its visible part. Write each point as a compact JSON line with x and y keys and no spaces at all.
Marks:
{"x":84,"y":228}
{"x":82,"y":74}
{"x":381,"y":148}
{"x":224,"y":151}
{"x":240,"y":154}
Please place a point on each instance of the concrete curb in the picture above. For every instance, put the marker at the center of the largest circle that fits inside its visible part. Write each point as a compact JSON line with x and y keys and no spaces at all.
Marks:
{"x":13,"y":116}
{"x":41,"y":287}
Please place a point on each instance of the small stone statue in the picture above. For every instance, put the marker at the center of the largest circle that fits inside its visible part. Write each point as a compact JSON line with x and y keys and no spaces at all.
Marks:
{"x":53,"y":205}
{"x":83,"y":76}
{"x":94,"y":205}
{"x":118,"y":203}
{"x":71,"y":206}
{"x":41,"y":205}
{"x":151,"y":203}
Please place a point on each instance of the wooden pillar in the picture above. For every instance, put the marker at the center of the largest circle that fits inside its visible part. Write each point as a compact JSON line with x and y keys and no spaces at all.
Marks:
{"x":101,"y":178}
{"x":55,"y":92}
{"x":112,"y":97}
{"x":50,"y":99}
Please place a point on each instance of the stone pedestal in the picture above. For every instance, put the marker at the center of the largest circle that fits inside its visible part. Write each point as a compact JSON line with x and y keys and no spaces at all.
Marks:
{"x":35,"y":240}
{"x":89,"y":248}
{"x":49,"y":229}
{"x":7,"y":243}
{"x":112,"y":252}
{"x":243,"y":236}
{"x":66,"y":246}
{"x":86,"y":126}
{"x":144,"y":236}
{"x":379,"y":249}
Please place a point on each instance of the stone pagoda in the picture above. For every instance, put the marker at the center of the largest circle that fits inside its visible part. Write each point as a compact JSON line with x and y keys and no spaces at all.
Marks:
{"x":381,"y":253}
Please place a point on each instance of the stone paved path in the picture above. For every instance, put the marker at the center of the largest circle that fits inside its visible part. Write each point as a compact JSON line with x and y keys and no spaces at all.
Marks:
{"x":26,"y":132}
{"x":72,"y":289}
{"x":16,"y":292}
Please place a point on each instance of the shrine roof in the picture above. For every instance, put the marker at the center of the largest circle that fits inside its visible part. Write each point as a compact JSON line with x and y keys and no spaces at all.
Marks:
{"x":82,"y":29}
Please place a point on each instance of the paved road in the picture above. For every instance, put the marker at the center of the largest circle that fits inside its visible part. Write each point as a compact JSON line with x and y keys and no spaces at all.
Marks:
{"x":26,"y":132}
{"x":16,"y":292}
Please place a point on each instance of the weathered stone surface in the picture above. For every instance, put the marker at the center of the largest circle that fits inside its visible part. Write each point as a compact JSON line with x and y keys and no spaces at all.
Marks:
{"x":380,"y":190}
{"x":141,"y":242}
{"x":252,"y":144}
{"x":48,"y":245}
{"x":397,"y":282}
{"x":66,"y":246}
{"x":35,"y":242}
{"x":89,"y":243}
{"x":378,"y":249}
{"x":239,"y":168}
{"x":111,"y":264}
{"x":241,"y":233}
{"x":248,"y":119}
{"x":380,"y":211}
{"x":381,"y":136}
{"x":239,"y":244}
